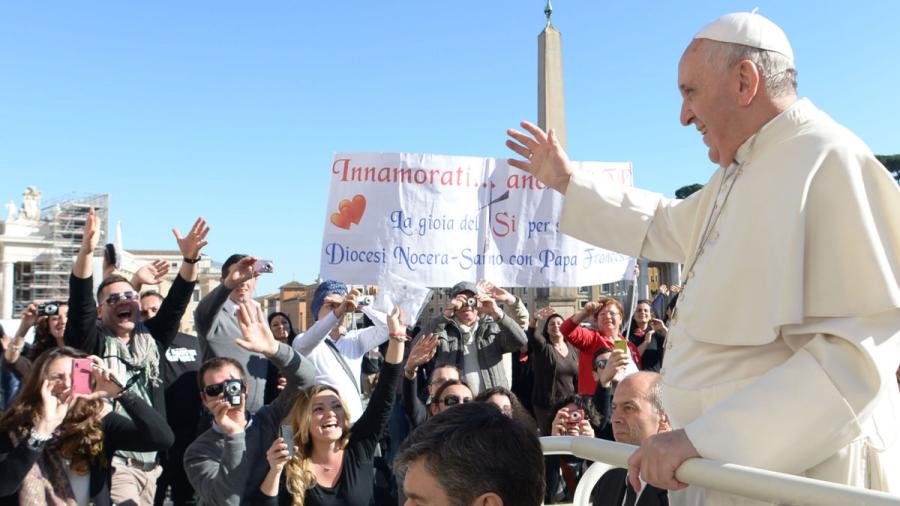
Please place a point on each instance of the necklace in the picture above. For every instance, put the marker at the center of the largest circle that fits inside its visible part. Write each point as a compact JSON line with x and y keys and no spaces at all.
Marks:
{"x":714,"y":215}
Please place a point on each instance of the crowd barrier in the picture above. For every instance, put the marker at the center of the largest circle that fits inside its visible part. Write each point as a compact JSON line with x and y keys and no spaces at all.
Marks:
{"x":740,"y":480}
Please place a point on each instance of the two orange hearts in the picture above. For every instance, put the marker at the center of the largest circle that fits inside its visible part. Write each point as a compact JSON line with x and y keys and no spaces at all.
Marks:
{"x":349,"y":212}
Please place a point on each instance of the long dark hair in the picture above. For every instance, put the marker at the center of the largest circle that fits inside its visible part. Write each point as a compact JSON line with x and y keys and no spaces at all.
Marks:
{"x":291,"y":332}
{"x":80,"y":437}
{"x":634,"y":325}
{"x":546,"y":331}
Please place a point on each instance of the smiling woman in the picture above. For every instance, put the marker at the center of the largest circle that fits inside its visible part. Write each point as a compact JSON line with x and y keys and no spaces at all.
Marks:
{"x":331,"y":464}
{"x":56,"y":444}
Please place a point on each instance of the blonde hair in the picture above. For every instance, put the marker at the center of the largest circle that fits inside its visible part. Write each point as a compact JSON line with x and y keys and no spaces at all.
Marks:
{"x":299,"y":476}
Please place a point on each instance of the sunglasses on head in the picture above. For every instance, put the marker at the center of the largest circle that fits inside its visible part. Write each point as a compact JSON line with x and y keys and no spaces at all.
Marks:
{"x":453,"y":400}
{"x":217,"y":389}
{"x":114,"y":298}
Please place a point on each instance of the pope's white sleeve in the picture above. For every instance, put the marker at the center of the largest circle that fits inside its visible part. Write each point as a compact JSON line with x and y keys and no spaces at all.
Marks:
{"x":803,"y":411}
{"x":628,"y":220}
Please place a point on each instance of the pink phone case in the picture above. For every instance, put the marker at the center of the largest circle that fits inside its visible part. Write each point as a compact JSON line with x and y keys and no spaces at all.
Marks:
{"x":81,"y":376}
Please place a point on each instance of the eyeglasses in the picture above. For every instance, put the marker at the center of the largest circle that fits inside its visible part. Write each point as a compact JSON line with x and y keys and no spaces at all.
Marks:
{"x":609,"y":313}
{"x":218,"y":388}
{"x":114,"y":298}
{"x":453,"y":400}
{"x":600,"y":364}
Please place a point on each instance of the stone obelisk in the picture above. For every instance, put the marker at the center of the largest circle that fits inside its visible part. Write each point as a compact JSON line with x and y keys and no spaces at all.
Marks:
{"x":552,"y":114}
{"x":551,"y":106}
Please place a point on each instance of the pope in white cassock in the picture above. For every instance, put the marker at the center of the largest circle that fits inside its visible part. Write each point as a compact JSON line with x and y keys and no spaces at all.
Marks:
{"x":802,"y":217}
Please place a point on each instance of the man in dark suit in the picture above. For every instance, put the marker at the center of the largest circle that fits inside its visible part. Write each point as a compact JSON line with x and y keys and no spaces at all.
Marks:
{"x":637,"y":414}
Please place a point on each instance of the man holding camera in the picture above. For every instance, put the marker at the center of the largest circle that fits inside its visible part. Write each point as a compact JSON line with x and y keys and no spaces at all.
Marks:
{"x":217,"y":324}
{"x":473,"y":334}
{"x":336,"y":352}
{"x":215,"y":462}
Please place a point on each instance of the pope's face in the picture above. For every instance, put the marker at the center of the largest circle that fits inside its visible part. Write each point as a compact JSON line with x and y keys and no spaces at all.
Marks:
{"x":708,"y":102}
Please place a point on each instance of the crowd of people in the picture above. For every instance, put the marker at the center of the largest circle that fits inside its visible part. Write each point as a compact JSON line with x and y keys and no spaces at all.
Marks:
{"x":111,"y":404}
{"x":250,"y":411}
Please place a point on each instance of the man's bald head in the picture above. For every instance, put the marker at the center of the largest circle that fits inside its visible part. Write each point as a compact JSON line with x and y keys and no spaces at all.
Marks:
{"x":649,"y":384}
{"x":637,"y":408}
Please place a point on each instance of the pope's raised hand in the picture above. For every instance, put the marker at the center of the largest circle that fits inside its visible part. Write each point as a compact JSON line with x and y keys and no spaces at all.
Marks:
{"x":544,"y":156}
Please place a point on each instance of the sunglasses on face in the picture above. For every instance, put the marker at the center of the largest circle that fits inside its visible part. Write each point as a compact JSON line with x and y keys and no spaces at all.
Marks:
{"x":114,"y":298}
{"x":453,"y":400}
{"x":600,"y":364}
{"x":218,"y":388}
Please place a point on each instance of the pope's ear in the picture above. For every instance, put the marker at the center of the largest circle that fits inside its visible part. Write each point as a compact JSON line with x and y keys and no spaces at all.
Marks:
{"x":749,"y":79}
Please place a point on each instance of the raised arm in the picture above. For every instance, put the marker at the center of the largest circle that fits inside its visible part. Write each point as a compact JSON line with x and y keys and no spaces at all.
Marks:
{"x":12,"y":354}
{"x":164,"y":326}
{"x":571,"y":329}
{"x":81,"y":327}
{"x":544,"y":156}
{"x":306,"y":342}
{"x":257,"y":338}
{"x":374,"y":419}
{"x":514,"y":305}
{"x":210,"y":305}
{"x":512,"y":337}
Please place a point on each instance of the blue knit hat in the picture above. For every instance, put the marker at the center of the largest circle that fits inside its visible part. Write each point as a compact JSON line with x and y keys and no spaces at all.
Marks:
{"x":325,"y":289}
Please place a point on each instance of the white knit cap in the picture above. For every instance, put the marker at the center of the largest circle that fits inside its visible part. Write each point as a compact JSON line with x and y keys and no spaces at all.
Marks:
{"x":748,"y":29}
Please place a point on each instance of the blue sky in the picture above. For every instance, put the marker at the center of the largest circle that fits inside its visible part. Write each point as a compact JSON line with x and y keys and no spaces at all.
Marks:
{"x":233,"y":110}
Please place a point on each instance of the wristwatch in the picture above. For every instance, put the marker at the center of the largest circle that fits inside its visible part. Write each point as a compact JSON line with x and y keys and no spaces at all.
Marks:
{"x":36,"y":440}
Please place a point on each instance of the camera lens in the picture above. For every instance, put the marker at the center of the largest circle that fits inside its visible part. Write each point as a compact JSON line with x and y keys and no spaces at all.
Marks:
{"x":471,"y":302}
{"x":232,"y":387}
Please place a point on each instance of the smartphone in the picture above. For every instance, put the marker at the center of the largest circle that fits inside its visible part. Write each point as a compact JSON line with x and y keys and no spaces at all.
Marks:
{"x":81,"y":376}
{"x":621,"y":344}
{"x":264,"y":266}
{"x":287,"y":434}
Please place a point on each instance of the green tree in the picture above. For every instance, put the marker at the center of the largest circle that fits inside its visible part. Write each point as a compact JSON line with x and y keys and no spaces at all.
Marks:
{"x":892,"y":162}
{"x":686,"y":191}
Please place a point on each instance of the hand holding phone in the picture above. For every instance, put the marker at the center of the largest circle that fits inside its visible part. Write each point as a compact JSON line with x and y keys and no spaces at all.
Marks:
{"x":287,"y":434}
{"x":81,"y":376}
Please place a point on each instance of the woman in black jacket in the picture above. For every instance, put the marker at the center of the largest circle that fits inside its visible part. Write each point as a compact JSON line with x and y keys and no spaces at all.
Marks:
{"x":56,"y":445}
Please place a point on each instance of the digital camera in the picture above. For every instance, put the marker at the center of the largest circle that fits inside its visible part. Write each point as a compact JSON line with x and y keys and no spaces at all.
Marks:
{"x":48,"y":309}
{"x":264,"y":266}
{"x":575,"y":417}
{"x":472,"y":302}
{"x":365,"y":300}
{"x":232,"y":391}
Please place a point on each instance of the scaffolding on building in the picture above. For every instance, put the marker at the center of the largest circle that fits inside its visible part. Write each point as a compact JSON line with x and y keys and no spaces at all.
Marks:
{"x":47,"y":277}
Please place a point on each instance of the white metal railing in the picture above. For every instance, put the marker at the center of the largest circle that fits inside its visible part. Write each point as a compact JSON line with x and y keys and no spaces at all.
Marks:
{"x":731,"y":478}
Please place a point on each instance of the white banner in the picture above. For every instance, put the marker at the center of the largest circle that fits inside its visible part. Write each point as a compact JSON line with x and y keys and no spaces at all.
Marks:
{"x":436,"y":220}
